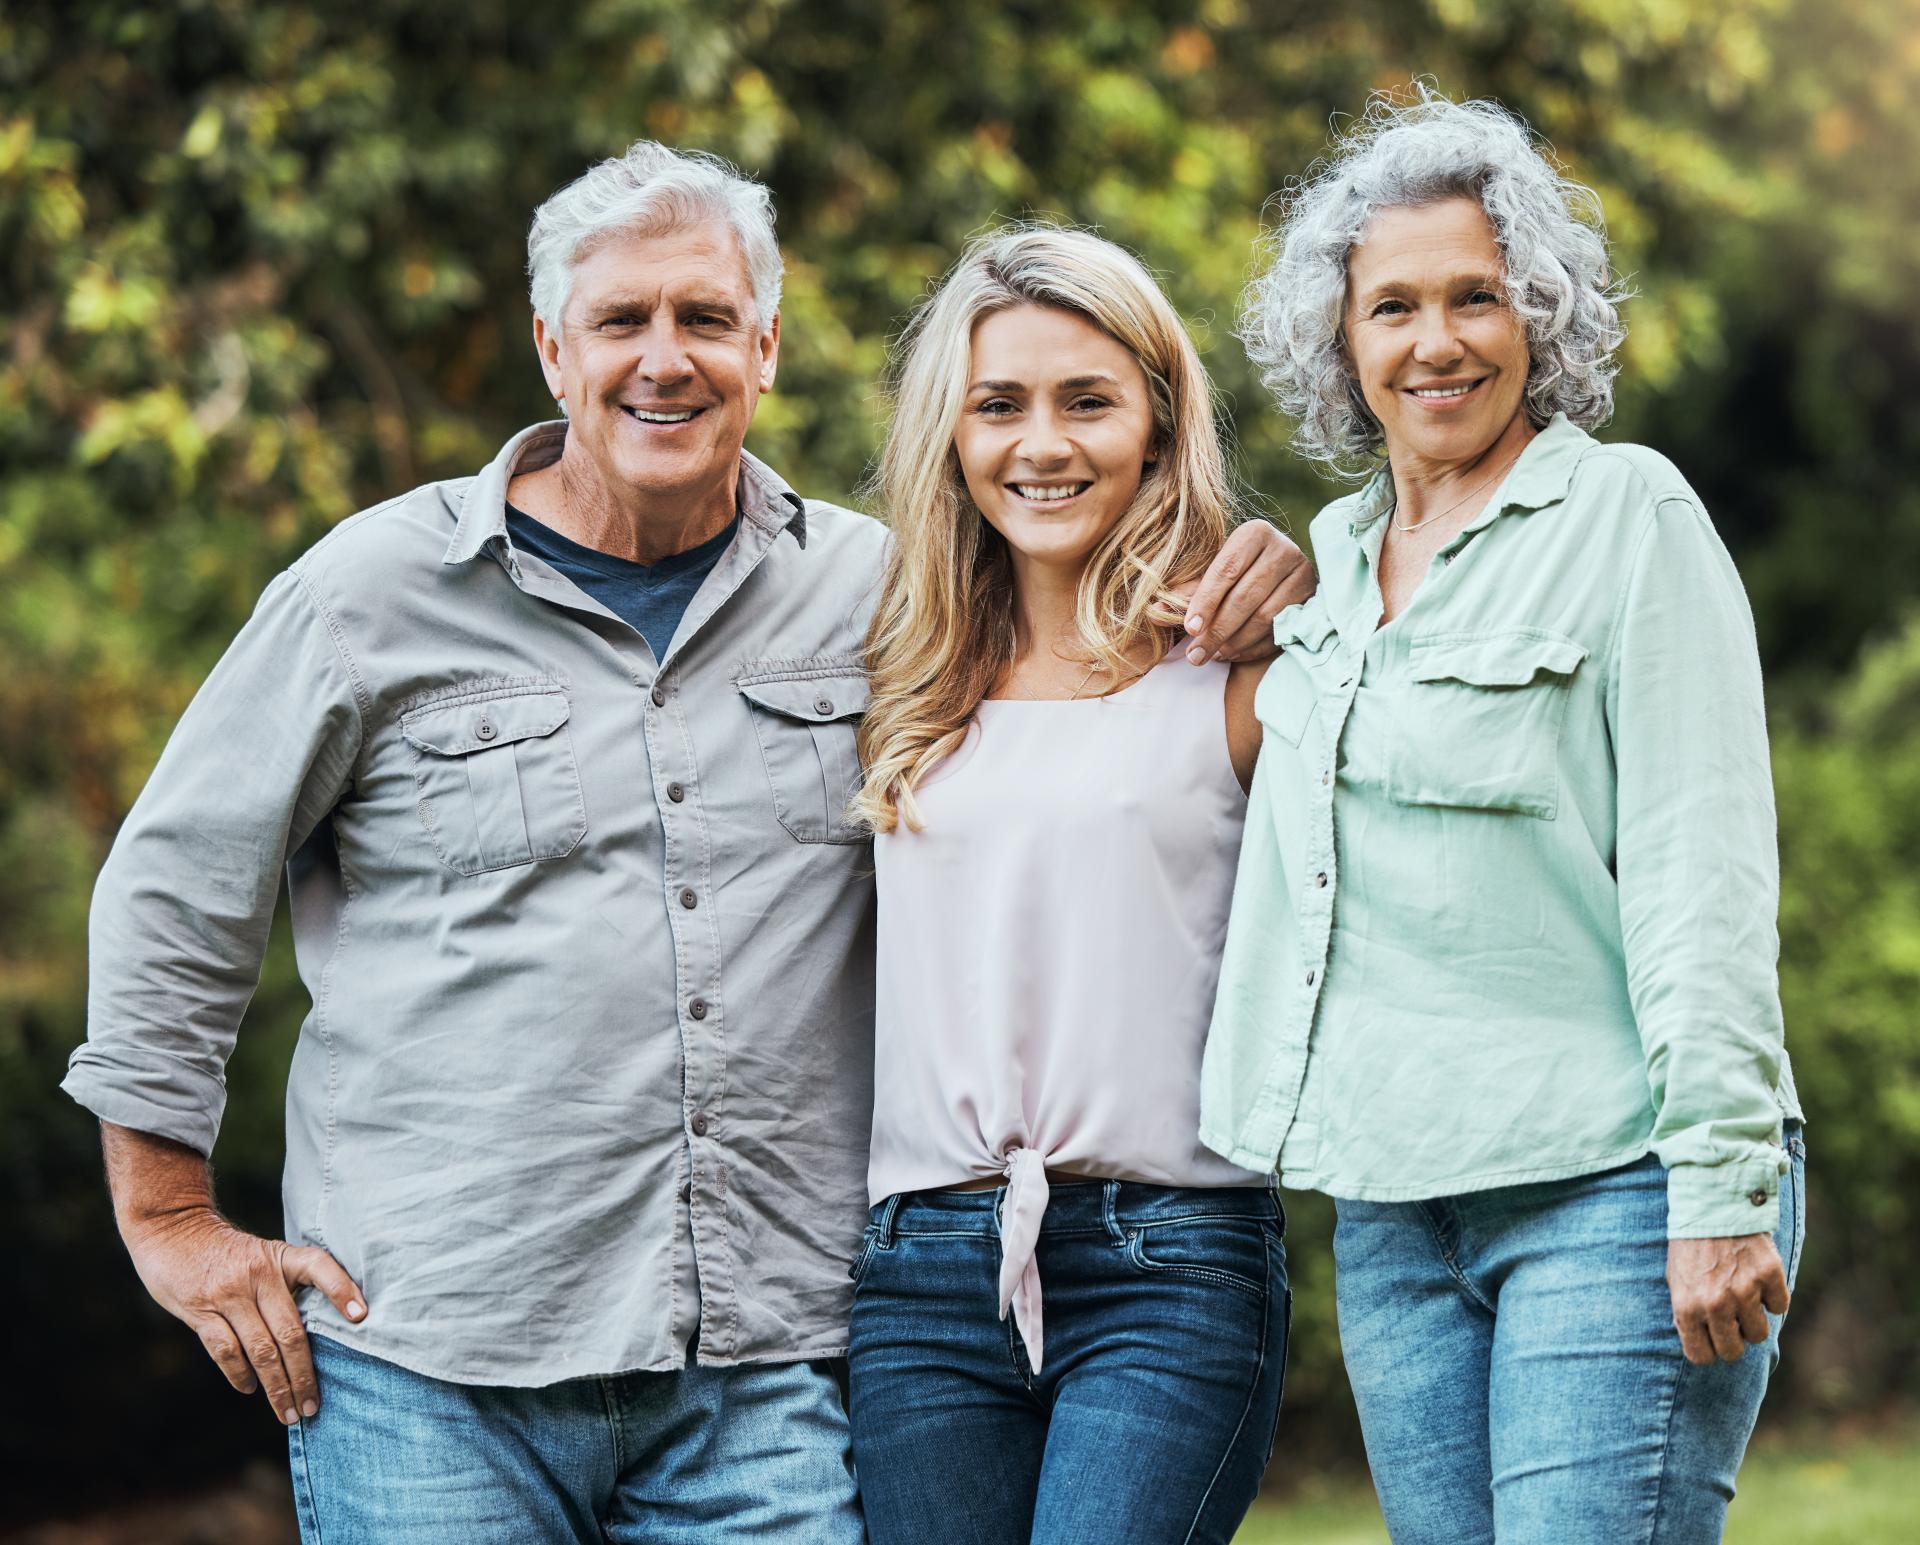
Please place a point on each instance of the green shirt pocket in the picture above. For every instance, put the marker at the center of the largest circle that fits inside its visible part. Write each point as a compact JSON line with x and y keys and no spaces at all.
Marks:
{"x":1480,"y":729}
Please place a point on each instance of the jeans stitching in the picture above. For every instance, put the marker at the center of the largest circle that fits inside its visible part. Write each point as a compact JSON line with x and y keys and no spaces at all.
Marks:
{"x":1427,"y":1216}
{"x":615,"y":1428}
{"x":308,"y":1513}
{"x":1673,"y":1394}
{"x":1253,"y":1387}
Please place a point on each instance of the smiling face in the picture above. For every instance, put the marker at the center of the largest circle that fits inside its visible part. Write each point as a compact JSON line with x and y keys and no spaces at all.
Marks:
{"x":1441,"y":357}
{"x":1056,"y":427}
{"x":661,"y":363}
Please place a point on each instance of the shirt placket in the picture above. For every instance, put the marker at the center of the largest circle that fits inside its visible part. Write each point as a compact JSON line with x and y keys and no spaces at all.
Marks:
{"x":686,"y":871}
{"x":701,"y":1023}
{"x":1337,"y":683}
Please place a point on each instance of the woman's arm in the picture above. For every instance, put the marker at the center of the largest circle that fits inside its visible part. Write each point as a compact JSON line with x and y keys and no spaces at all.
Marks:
{"x":1243,"y":729}
{"x":1695,"y":857}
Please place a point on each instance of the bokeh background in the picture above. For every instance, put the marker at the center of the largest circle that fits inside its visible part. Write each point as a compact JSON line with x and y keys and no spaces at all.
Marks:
{"x":261,"y":265}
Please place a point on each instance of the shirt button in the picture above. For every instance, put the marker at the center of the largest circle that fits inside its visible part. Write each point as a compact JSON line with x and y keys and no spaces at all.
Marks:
{"x":1757,"y":1197}
{"x":823,"y":705}
{"x":484,"y":730}
{"x":1321,"y":880}
{"x":676,"y":792}
{"x":700,"y":1123}
{"x":689,"y":900}
{"x":659,"y":697}
{"x":698,"y":1008}
{"x":1326,"y":777}
{"x":1310,"y":976}
{"x":1348,"y":682}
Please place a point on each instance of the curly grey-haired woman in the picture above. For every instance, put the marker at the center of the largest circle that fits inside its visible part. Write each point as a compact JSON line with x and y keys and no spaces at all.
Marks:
{"x":1501,"y":970}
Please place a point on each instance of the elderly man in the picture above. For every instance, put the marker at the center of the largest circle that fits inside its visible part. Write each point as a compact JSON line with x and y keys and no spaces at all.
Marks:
{"x":557,"y":760}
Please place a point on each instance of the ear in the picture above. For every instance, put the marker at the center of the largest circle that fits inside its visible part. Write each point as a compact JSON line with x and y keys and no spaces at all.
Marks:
{"x":770,"y":354}
{"x":547,"y":345}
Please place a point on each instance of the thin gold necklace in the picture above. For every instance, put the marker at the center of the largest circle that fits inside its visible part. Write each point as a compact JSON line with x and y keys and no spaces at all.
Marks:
{"x":1400,"y":525}
{"x":1034,"y":698}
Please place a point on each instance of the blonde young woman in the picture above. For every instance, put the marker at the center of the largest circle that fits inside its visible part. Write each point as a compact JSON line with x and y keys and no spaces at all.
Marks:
{"x":1070,"y":1319}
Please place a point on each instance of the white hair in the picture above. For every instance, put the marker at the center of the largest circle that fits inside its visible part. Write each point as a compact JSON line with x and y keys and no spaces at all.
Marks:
{"x":1404,"y":153}
{"x":649,"y":190}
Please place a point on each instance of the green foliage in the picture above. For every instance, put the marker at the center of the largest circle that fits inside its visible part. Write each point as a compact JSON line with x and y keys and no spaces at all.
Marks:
{"x":1849,"y":789}
{"x":263,"y":265}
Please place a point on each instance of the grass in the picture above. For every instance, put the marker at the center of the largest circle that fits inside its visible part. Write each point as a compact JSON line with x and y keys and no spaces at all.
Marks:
{"x":1814,"y":1491}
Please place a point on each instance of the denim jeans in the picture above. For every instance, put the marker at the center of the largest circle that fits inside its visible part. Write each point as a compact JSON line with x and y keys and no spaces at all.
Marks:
{"x":1152,"y":1418}
{"x":1517,"y":1371}
{"x":703,"y":1454}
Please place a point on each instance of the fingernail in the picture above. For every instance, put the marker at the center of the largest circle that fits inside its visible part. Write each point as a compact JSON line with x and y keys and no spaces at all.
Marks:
{"x":289,"y":1416}
{"x":1219,"y":654}
{"x":310,"y":1409}
{"x":1193,"y":623}
{"x":1196,"y":656}
{"x":355,"y":1308}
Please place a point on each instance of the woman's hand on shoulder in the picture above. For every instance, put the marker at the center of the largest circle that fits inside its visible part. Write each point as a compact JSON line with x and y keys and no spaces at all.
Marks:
{"x":1254,"y":577}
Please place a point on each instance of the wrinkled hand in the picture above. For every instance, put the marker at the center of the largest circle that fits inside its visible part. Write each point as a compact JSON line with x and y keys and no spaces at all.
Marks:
{"x":1253,"y":578}
{"x":1722,"y":1290}
{"x":234,"y":1290}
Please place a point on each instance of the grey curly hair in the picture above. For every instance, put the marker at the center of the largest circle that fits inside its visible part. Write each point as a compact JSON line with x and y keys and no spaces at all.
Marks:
{"x":648,"y":190}
{"x":1403,"y":153}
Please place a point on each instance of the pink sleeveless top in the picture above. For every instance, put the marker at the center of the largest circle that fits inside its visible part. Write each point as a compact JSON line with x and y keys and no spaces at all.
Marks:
{"x":1048,"y":951}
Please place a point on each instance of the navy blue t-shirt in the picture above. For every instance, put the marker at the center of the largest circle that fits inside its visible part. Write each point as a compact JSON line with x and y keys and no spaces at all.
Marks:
{"x":651,"y":598}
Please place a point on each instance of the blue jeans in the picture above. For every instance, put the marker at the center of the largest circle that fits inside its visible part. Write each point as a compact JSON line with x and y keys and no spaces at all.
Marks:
{"x":1517,"y":1371}
{"x":699,"y":1455}
{"x":1153,"y":1415}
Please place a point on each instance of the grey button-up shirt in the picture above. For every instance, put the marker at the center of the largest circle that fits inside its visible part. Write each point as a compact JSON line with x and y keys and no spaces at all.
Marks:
{"x":589,"y":936}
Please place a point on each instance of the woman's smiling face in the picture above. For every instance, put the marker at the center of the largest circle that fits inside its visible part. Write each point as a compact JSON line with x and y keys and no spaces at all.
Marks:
{"x":1441,"y":357}
{"x":1055,"y":431}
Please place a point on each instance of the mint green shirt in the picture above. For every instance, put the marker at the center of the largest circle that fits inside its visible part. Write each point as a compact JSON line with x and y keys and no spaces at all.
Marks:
{"x":1506,"y":904}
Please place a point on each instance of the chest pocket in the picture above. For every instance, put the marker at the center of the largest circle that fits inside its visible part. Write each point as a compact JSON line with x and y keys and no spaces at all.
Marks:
{"x":1481,"y":727}
{"x":1289,"y":691}
{"x":806,"y":723}
{"x":498,"y":782}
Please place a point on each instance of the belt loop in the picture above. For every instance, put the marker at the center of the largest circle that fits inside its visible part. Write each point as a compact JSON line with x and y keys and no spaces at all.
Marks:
{"x":887,"y":1209}
{"x":1110,"y":1212}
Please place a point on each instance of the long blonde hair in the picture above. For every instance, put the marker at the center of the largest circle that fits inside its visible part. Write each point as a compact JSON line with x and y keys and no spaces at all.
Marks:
{"x":943,"y":633}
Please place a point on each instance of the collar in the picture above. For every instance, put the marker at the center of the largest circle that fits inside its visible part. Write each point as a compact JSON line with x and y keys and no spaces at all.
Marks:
{"x":763,"y":495}
{"x":1539,"y":478}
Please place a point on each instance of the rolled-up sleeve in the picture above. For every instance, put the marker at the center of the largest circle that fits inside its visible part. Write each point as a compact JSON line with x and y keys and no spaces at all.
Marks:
{"x":1698,"y":872}
{"x":183,"y":906}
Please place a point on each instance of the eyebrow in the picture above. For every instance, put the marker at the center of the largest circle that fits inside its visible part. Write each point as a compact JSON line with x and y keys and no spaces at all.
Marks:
{"x":1071,"y":384}
{"x":621,"y":305}
{"x":1478,"y":281}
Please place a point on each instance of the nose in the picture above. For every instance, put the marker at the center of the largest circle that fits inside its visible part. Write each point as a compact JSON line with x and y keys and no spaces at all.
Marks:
{"x":1436,"y":341}
{"x":663,"y":359}
{"x":1043,"y":440}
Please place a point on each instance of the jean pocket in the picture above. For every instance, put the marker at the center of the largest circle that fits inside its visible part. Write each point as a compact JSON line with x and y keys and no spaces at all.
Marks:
{"x":807,"y":723}
{"x":1480,"y":727}
{"x":1228,"y":1251}
{"x":496,"y":775}
{"x":863,"y":1257}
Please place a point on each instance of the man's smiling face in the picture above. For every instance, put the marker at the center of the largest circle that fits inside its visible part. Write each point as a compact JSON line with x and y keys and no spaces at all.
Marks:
{"x":661,"y":362}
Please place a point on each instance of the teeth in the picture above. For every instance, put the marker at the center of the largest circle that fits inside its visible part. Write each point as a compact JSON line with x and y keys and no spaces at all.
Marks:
{"x":1042,"y":493}
{"x":1444,"y":391}
{"x":660,"y":418}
